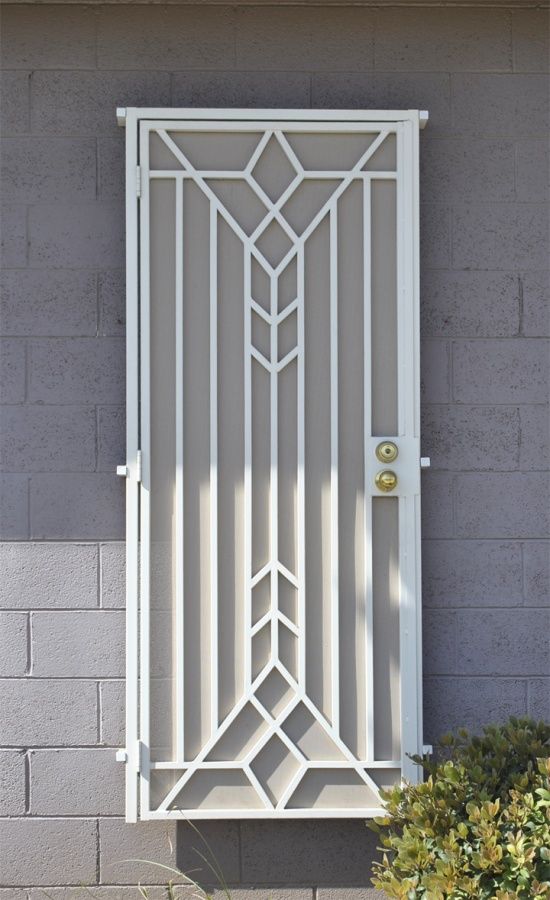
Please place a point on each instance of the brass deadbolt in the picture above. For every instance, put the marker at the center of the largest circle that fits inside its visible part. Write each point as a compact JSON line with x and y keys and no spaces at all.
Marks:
{"x":387,"y":451}
{"x":386,"y":481}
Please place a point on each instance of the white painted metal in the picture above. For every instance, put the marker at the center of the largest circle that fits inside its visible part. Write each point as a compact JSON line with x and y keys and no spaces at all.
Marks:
{"x":276,"y":124}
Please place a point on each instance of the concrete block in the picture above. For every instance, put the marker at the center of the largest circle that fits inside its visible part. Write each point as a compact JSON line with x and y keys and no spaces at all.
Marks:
{"x":111,"y":167}
{"x":500,"y":237}
{"x":241,"y":89}
{"x":46,"y":303}
{"x":13,"y":640}
{"x":14,"y":507}
{"x":15,"y":105}
{"x":111,"y":438}
{"x":48,"y":37}
{"x":106,"y":892}
{"x":439,"y":642}
{"x":511,"y":371}
{"x":13,"y":235}
{"x":385,"y":90}
{"x":12,"y":784}
{"x":48,"y":439}
{"x":181,"y":37}
{"x":499,"y":505}
{"x":113,"y":575}
{"x":479,"y":40}
{"x":463,"y":170}
{"x":471,"y":573}
{"x":45,"y":713}
{"x":478,"y":438}
{"x":514,"y":106}
{"x":320,"y":39}
{"x":253,"y":893}
{"x":437,"y":505}
{"x":77,"y":235}
{"x":37,"y":169}
{"x":77,"y":370}
{"x":12,"y":370}
{"x":538,"y":698}
{"x":112,"y":303}
{"x":120,"y":842}
{"x":223,"y":839}
{"x":112,"y":713}
{"x":47,"y":851}
{"x":472,"y":703}
{"x":76,"y":782}
{"x":355,"y":893}
{"x":530,"y":40}
{"x":36,"y":576}
{"x":532,"y":164}
{"x":503,"y":641}
{"x":535,"y":432}
{"x":469,"y":304}
{"x":77,"y":507}
{"x":536,"y":569}
{"x":318,"y":851}
{"x":435,"y":236}
{"x":435,"y":372}
{"x":65,"y":104}
{"x":83,"y":644}
{"x":536,"y":304}
{"x":13,"y":894}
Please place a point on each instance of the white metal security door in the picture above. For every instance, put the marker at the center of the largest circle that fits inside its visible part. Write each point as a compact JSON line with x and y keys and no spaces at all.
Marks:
{"x":273,"y":462}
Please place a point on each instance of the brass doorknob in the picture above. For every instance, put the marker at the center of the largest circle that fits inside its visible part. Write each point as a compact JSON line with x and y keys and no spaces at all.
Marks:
{"x":386,"y":481}
{"x":387,"y":451}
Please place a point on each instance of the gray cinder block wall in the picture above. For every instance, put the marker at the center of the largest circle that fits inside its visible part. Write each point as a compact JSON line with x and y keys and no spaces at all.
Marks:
{"x":482,"y":74}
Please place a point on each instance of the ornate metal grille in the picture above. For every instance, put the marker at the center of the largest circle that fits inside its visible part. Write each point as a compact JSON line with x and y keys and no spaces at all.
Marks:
{"x":278,"y":601}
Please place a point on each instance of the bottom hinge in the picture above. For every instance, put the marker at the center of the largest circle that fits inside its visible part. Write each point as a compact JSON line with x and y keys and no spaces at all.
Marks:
{"x":427,"y":750}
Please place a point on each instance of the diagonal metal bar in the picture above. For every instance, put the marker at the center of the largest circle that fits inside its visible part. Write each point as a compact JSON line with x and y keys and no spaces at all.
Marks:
{"x":248,"y":242}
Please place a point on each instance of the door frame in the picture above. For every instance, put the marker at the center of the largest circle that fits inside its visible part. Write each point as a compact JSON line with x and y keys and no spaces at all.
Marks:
{"x":137,"y":664}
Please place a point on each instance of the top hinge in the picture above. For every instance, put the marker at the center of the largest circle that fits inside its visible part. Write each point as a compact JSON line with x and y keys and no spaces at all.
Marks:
{"x":138,"y":181}
{"x":138,"y":466}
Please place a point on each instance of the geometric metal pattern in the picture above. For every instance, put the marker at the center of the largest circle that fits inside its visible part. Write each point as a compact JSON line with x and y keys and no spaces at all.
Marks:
{"x":289,"y":745}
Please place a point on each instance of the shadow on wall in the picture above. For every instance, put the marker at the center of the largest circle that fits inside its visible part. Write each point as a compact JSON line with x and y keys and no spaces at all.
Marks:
{"x":331,"y":852}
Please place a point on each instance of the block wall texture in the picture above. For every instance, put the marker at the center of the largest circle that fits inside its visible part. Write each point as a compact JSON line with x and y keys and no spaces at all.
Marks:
{"x":482,"y":74}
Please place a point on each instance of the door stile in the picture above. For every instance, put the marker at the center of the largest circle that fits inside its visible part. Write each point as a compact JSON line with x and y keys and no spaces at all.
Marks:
{"x":132,"y":483}
{"x":408,"y":387}
{"x":145,"y":487}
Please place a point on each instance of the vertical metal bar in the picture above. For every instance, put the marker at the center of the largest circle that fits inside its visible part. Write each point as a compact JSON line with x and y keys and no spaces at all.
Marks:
{"x":213,"y":468}
{"x":180,"y":517}
{"x":300,"y":486}
{"x":247,"y":470}
{"x":274,"y":473}
{"x":334,"y":564}
{"x":145,"y":543}
{"x":367,"y":424}
{"x":406,"y":407}
{"x":132,"y":484}
{"x":415,"y":178}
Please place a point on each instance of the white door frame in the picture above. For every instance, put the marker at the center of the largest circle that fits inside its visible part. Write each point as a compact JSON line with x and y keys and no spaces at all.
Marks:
{"x":407,"y":124}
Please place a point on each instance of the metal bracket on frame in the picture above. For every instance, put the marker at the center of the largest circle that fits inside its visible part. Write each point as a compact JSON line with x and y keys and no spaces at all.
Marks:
{"x":124,"y":471}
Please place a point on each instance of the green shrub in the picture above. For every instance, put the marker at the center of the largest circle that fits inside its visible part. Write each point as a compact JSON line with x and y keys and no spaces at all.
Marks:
{"x":479,"y":825}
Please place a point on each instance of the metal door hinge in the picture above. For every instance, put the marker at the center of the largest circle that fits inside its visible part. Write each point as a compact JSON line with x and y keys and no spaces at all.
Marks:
{"x":138,"y":181}
{"x":138,"y":466}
